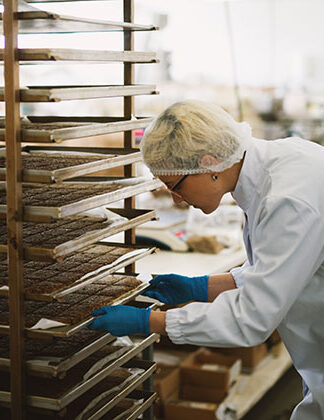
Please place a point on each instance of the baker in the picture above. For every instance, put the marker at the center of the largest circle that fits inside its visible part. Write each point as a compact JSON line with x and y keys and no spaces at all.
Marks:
{"x":201,"y":153}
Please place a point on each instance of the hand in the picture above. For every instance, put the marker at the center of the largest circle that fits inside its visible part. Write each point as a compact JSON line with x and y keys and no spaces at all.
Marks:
{"x":121,"y":320}
{"x":174,"y":289}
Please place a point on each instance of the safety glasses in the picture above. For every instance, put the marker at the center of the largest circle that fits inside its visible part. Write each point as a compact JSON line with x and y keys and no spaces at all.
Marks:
{"x":176,"y":185}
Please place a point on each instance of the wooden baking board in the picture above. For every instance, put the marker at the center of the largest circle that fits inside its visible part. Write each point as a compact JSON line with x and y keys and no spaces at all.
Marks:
{"x":100,"y":276}
{"x":104,"y":402}
{"x":149,"y":368}
{"x":64,"y":54}
{"x":75,"y":279}
{"x":57,"y":166}
{"x":59,"y":365}
{"x":68,"y":330}
{"x":122,"y":189}
{"x":148,"y":398}
{"x":60,"y":403}
{"x":49,"y":129}
{"x":53,"y":1}
{"x":67,"y":93}
{"x":39,"y":21}
{"x":49,"y":368}
{"x":88,"y":237}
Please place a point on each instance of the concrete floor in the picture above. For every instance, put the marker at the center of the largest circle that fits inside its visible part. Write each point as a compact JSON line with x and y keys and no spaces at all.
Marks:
{"x":280,"y":400}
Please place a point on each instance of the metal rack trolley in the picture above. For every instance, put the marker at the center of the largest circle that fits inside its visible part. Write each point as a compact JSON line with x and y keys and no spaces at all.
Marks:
{"x":20,"y":17}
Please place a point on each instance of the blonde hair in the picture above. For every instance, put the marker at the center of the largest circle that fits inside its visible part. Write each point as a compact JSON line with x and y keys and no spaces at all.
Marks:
{"x":186,"y":131}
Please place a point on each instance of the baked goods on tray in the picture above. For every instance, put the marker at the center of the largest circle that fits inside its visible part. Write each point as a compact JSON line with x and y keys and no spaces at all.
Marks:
{"x":61,"y":348}
{"x":47,"y":277}
{"x":74,"y":307}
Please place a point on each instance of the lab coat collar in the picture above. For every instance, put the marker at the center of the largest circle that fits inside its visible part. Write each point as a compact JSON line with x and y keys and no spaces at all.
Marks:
{"x":250,"y":175}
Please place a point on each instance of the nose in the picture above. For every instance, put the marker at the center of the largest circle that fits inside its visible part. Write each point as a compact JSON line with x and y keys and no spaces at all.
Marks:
{"x":176,"y":199}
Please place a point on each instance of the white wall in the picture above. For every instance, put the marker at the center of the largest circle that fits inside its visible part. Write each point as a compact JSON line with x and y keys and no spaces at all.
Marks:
{"x":273,"y":40}
{"x":271,"y":37}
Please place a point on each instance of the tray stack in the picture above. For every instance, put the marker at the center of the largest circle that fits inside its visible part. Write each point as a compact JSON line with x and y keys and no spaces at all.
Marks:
{"x":56,"y":264}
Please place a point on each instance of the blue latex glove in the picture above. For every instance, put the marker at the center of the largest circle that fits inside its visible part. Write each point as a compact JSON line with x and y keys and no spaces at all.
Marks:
{"x":173,"y":289}
{"x":121,"y":320}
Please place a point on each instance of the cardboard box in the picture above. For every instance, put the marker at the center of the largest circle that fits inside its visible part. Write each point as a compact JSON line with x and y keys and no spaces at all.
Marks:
{"x":190,"y":410}
{"x":159,"y":406}
{"x":204,"y":368}
{"x":202,"y":393}
{"x":166,"y":381}
{"x":166,"y":384}
{"x":250,"y":356}
{"x":170,"y":357}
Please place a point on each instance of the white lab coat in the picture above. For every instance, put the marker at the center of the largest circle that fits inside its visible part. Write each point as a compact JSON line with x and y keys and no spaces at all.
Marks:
{"x":281,"y":191}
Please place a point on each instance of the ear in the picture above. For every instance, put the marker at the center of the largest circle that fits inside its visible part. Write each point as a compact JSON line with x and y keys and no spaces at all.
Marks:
{"x":206,"y":161}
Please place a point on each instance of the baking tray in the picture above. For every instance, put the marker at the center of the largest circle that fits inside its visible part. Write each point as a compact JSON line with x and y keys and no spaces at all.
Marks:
{"x":59,"y":295}
{"x":50,"y":129}
{"x":57,"y":368}
{"x":121,"y":189}
{"x":104,"y":404}
{"x":59,"y":403}
{"x":101,"y":229}
{"x":85,"y":277}
{"x":135,"y":411}
{"x":92,"y":262}
{"x":51,"y":1}
{"x":56,"y":166}
{"x":68,"y":330}
{"x":69,"y":93}
{"x":34,"y":20}
{"x":68,"y":54}
{"x":148,"y":366}
{"x":56,"y":388}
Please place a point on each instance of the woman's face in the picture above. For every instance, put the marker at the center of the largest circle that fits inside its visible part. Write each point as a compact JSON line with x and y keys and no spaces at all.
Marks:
{"x":201,"y":191}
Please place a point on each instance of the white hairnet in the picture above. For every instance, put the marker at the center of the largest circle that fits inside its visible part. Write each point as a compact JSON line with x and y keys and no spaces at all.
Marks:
{"x":192,"y":137}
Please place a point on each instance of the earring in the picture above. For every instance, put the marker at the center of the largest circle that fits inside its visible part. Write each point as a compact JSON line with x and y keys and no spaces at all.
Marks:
{"x":214,"y":177}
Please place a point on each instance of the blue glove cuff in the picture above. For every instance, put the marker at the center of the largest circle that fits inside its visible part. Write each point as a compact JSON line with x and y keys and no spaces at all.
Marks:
{"x":201,"y":288}
{"x":144,"y":321}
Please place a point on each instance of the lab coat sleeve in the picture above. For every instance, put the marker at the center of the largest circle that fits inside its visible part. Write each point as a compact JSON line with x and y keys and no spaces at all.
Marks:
{"x":237,"y":273}
{"x":287,"y":247}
